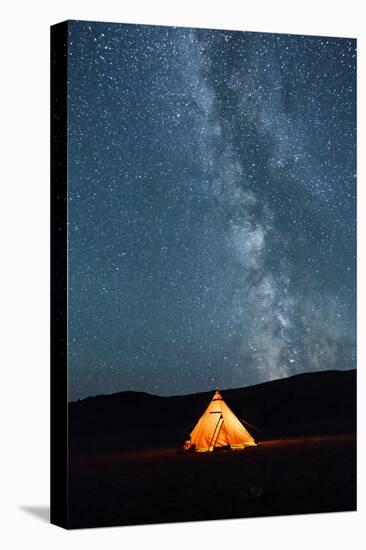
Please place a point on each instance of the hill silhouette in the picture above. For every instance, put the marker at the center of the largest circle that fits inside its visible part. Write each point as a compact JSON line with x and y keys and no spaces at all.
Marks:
{"x":320,"y":403}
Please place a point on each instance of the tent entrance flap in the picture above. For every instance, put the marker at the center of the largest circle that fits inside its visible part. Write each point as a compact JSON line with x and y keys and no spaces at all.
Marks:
{"x":216,"y":432}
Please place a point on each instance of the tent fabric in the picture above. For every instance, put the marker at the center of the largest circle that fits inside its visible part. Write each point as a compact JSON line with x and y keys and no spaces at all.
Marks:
{"x":219,"y":427}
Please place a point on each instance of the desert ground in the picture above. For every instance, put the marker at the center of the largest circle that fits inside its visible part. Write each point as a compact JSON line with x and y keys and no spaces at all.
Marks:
{"x":125,"y":468}
{"x":291,"y":476}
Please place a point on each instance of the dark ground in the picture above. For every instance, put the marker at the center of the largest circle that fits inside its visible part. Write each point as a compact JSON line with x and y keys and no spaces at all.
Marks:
{"x":124,"y":467}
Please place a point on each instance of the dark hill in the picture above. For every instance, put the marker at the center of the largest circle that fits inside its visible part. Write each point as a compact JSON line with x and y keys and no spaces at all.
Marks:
{"x":321,"y":403}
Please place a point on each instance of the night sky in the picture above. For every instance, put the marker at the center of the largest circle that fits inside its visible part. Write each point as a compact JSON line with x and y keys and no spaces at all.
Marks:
{"x":212,"y":179}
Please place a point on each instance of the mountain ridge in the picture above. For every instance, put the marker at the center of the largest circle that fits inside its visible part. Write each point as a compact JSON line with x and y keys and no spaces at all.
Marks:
{"x":204,"y":392}
{"x":320,"y":403}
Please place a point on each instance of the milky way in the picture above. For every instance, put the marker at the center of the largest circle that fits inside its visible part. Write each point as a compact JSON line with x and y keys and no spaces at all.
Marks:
{"x":211,"y":207}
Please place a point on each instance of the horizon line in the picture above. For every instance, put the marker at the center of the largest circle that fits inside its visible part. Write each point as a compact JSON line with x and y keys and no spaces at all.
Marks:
{"x":94,"y":396}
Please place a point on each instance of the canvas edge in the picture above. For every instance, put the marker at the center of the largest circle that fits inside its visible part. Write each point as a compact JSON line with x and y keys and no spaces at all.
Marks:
{"x":59,"y":509}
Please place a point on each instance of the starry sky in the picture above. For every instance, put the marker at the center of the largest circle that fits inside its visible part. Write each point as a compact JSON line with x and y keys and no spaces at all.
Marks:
{"x":212,"y":214}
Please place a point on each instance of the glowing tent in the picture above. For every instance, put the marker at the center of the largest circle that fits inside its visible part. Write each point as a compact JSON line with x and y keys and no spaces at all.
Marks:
{"x":218,"y":427}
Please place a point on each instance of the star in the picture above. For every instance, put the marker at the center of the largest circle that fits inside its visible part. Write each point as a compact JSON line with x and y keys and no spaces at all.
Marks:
{"x":211,"y":207}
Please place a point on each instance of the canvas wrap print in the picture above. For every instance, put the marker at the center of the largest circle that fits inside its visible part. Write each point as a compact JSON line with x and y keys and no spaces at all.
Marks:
{"x":203,"y":274}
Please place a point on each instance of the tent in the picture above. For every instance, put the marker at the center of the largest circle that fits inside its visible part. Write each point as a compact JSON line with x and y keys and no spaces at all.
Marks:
{"x":218,"y":427}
